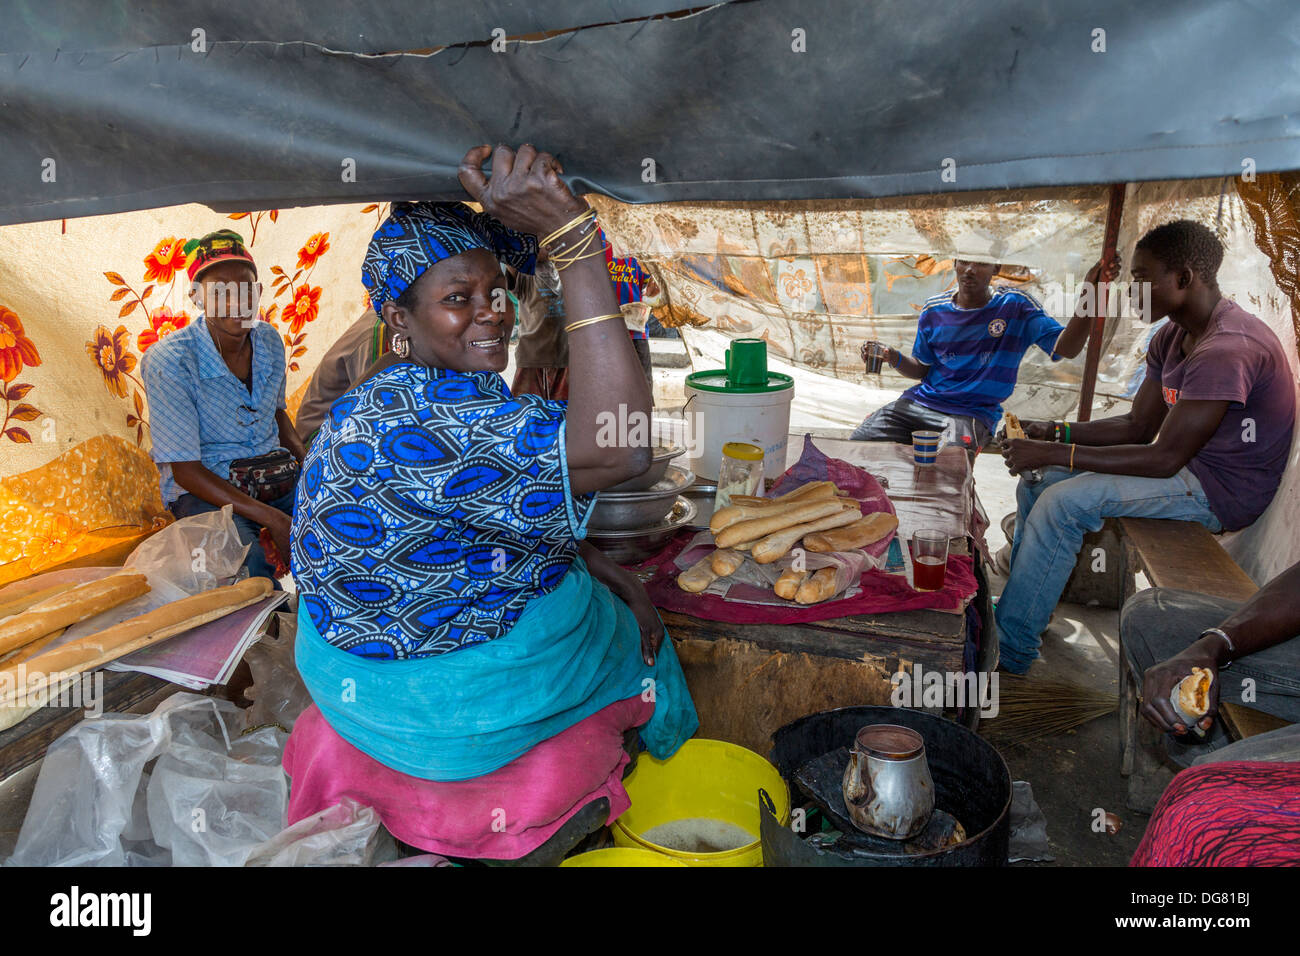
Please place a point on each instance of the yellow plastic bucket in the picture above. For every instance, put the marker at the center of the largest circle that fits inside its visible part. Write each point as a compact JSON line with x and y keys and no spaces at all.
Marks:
{"x":706,"y":778}
{"x":621,"y":856}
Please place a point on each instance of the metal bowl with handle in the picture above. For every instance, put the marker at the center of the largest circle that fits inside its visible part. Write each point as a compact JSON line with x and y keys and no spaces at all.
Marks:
{"x":629,"y":510}
{"x":637,"y":544}
{"x":663,"y":454}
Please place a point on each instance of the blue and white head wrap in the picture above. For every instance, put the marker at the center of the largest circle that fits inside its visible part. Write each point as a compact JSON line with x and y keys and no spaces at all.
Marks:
{"x":417,"y":235}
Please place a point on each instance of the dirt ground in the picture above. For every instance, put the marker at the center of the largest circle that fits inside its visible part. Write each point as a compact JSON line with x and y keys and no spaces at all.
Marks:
{"x":1074,"y":773}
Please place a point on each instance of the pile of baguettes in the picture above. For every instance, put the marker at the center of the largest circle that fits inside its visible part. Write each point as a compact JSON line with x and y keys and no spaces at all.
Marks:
{"x":814,"y":516}
{"x":29,"y":624}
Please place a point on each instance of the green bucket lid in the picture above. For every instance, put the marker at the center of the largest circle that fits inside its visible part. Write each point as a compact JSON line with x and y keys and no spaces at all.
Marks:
{"x":715,"y":380}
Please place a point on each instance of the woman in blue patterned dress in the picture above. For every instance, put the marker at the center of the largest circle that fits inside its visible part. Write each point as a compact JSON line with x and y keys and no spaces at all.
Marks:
{"x":450,"y":615}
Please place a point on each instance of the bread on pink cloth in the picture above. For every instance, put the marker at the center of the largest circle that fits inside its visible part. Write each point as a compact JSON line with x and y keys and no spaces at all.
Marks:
{"x":501,"y":816}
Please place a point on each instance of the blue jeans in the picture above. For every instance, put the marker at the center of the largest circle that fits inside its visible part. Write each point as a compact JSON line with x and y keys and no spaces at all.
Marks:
{"x":258,"y":566}
{"x":1052,"y":517}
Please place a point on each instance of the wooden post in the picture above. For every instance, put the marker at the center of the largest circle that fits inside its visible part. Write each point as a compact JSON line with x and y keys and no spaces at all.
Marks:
{"x":1093,"y":359}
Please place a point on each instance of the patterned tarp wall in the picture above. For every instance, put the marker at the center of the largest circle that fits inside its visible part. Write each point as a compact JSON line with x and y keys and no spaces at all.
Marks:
{"x":817,"y":279}
{"x":80,"y":302}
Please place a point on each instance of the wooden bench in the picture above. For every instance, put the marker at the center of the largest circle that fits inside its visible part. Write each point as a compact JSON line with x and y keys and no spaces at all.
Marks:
{"x":1184,"y":555}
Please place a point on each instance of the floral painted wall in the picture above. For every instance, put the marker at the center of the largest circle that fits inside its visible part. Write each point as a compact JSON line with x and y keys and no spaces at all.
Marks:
{"x":81,"y":301}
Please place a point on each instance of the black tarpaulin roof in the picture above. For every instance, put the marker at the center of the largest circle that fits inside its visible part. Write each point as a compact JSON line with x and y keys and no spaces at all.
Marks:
{"x":108,"y":106}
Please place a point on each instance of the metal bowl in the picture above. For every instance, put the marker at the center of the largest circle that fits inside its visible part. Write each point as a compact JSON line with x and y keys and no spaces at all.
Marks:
{"x":631,"y":547}
{"x":632,"y":510}
{"x":703,"y":497}
{"x":663,"y":454}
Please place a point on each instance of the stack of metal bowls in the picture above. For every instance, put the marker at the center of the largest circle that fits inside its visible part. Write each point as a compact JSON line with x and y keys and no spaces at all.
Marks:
{"x":634,"y":519}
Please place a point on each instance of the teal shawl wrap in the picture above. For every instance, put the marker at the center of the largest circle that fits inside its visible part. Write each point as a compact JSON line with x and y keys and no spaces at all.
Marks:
{"x":471,"y":711}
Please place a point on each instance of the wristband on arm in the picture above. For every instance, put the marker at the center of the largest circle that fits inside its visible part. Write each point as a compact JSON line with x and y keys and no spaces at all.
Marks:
{"x":1219,"y":633}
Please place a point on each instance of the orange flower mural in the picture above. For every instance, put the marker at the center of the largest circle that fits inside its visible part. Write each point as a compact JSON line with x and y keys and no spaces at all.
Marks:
{"x":380,"y":209}
{"x":303,"y":309}
{"x":162,"y":322}
{"x":304,"y":299}
{"x":165,"y":261}
{"x":254,"y":219}
{"x":313,"y":249}
{"x":111,"y":352}
{"x":17,"y":351}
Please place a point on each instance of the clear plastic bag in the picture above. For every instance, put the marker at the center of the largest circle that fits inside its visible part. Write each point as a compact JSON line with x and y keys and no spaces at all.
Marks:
{"x":848,"y":566}
{"x":183,"y":786}
{"x":193,"y":554}
{"x":346,"y":834}
{"x":278,"y":694}
{"x":177,"y":786}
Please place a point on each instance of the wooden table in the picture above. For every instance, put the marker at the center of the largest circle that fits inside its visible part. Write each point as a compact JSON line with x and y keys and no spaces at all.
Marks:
{"x":750,"y":679}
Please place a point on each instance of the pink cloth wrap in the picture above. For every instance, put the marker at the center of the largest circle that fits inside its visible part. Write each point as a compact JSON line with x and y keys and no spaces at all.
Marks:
{"x":536,"y":793}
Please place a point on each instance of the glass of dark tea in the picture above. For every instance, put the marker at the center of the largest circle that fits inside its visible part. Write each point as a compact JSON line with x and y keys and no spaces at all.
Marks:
{"x":929,"y":559}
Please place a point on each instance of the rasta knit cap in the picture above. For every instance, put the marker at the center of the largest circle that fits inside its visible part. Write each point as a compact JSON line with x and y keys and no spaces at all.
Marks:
{"x":220,"y":246}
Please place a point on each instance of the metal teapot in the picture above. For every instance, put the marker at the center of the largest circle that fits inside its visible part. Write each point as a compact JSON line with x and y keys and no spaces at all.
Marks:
{"x":887,"y":786}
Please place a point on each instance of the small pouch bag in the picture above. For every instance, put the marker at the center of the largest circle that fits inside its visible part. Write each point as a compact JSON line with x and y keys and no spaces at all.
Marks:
{"x":266,"y":477}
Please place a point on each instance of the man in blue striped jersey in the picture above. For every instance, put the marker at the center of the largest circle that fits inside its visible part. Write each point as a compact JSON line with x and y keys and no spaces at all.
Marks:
{"x":969,"y":345}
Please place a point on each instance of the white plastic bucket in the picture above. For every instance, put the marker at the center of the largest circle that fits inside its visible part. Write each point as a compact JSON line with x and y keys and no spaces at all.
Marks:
{"x":714,"y":418}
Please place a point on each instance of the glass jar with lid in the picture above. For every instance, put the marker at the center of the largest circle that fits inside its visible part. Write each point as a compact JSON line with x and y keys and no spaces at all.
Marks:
{"x":740,"y":473}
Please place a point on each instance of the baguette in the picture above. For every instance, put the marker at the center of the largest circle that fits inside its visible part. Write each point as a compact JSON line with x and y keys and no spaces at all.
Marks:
{"x":725,"y":561}
{"x":698,"y":576}
{"x":95,"y":650}
{"x":790,"y":515}
{"x":726,"y":517}
{"x":28,"y":651}
{"x":774,"y":546}
{"x":787,"y":585}
{"x":817,"y":588}
{"x":70,"y":607}
{"x":865,"y":531}
{"x":18,"y":605}
{"x":812,"y":491}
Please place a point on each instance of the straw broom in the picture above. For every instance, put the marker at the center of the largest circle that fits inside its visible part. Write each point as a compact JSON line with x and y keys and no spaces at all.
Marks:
{"x":1029,"y":709}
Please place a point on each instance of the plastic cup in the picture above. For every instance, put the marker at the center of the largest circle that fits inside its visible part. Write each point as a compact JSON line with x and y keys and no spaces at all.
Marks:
{"x":747,"y":362}
{"x":925,"y":447}
{"x":929,"y":559}
{"x":875,"y":357}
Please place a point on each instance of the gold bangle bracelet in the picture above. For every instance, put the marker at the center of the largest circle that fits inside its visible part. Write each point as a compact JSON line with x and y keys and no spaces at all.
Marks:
{"x":1072,"y":448}
{"x":567,"y":258}
{"x":576,"y":221}
{"x":592,"y":321}
{"x":579,"y":258}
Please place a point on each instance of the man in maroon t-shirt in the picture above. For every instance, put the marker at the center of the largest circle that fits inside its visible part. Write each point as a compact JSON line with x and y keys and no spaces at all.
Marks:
{"x":1206,"y":440}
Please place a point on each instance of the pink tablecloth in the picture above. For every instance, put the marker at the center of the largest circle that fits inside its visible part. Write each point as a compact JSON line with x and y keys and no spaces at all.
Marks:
{"x":881,"y":593}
